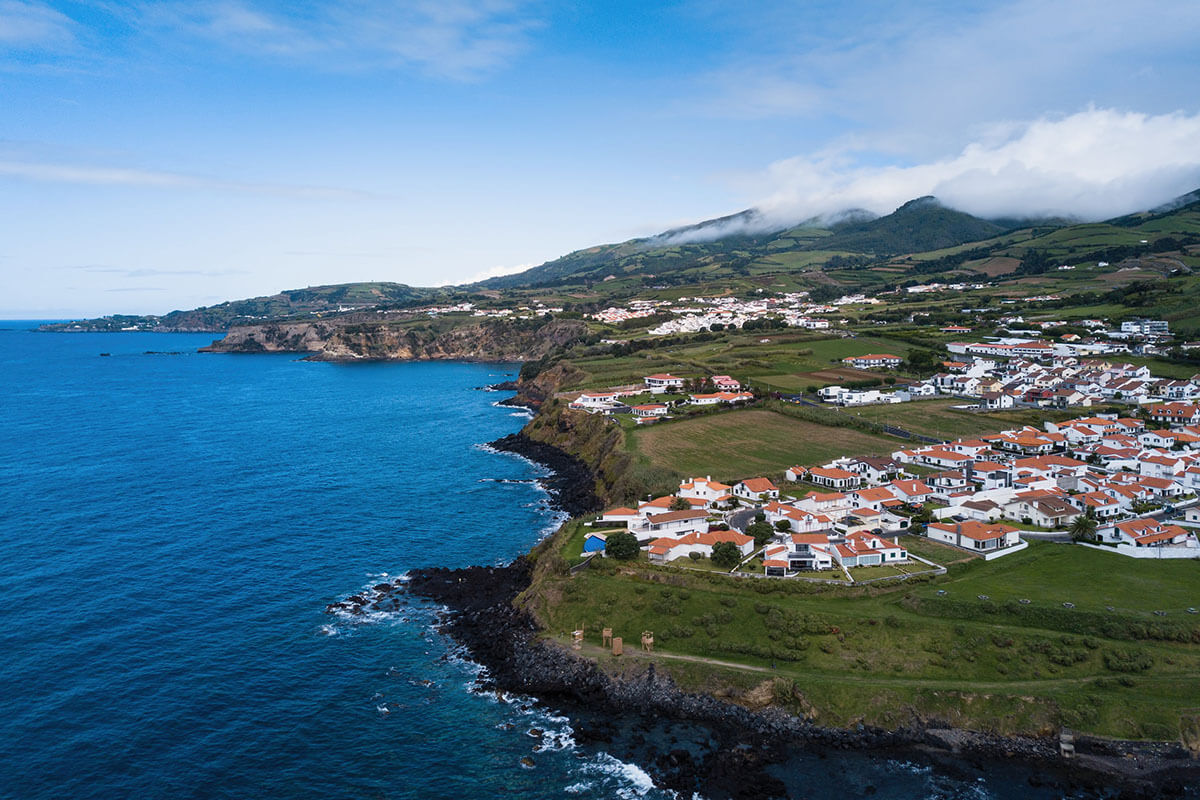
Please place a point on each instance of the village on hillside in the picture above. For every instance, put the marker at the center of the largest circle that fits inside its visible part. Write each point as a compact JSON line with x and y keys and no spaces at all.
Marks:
{"x":1123,"y":483}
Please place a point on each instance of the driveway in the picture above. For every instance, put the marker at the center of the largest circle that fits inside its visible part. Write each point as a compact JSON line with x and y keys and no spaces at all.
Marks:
{"x":741,"y":519}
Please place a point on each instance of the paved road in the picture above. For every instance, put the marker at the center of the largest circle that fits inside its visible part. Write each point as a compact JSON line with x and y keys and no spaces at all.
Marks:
{"x":740,"y":520}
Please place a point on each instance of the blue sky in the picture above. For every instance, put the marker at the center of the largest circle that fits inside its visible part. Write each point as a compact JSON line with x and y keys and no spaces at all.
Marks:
{"x":172,"y":154}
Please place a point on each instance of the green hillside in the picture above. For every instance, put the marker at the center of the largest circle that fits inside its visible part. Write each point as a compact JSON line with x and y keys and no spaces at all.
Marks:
{"x":918,"y":225}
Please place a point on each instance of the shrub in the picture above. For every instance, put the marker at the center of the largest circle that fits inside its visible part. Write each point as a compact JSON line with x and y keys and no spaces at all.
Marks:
{"x":762,"y":533}
{"x":1127,"y":660}
{"x":622,"y":545}
{"x":726,"y":555}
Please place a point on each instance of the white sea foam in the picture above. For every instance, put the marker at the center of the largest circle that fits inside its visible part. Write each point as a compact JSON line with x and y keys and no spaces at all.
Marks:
{"x":632,"y":780}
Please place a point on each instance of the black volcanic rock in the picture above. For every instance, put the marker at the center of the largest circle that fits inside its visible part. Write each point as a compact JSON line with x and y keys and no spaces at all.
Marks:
{"x":571,"y":484}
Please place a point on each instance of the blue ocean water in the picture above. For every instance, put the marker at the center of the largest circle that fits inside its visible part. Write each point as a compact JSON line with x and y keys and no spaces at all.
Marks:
{"x":174,"y":525}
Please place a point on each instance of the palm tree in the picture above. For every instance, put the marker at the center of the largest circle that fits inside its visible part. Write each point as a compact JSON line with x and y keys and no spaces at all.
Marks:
{"x":1084,"y":527}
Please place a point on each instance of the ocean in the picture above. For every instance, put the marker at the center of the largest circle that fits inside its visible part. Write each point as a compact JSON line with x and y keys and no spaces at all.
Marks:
{"x":174,"y":525}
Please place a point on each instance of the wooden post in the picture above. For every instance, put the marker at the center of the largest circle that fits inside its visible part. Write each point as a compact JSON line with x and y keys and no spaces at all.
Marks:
{"x":648,"y":641}
{"x":577,"y":639}
{"x":616,"y":646}
{"x":607,"y":640}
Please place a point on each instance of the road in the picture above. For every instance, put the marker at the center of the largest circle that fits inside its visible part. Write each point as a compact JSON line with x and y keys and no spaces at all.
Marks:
{"x":740,"y":520}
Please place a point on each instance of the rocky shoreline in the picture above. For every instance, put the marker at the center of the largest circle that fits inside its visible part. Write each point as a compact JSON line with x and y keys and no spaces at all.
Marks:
{"x":743,"y":743}
{"x":696,"y":743}
{"x":739,"y":745}
{"x":571,"y":485}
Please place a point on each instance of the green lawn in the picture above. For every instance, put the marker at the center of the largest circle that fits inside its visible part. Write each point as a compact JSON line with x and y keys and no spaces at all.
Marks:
{"x":744,"y":444}
{"x":886,"y":652}
{"x":1050,"y":575}
{"x":937,"y":552}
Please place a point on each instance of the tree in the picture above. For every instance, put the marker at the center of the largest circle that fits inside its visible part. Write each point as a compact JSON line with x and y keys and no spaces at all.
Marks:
{"x":726,"y":555}
{"x":680,"y":504}
{"x":783,"y":526}
{"x":762,"y":533}
{"x":1084,"y":527}
{"x":622,"y":546}
{"x":760,"y":516}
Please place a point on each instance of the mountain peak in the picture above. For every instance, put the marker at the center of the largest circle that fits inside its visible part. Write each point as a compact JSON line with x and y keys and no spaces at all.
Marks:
{"x":928,"y":201}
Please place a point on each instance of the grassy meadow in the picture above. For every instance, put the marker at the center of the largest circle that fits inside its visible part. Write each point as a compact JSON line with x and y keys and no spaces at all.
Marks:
{"x":886,"y":653}
{"x":743,"y":444}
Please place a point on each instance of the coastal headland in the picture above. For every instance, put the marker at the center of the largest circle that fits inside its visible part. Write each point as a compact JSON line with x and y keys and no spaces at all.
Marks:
{"x":753,"y":717}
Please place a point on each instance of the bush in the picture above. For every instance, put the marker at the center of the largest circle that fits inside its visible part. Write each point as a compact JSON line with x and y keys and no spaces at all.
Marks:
{"x":1127,"y":660}
{"x":726,"y":555}
{"x":783,"y":526}
{"x":762,"y":533}
{"x":622,"y":545}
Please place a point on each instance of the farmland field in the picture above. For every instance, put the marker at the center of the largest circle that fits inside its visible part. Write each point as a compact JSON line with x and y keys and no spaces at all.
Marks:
{"x":744,"y":444}
{"x":939,"y":418}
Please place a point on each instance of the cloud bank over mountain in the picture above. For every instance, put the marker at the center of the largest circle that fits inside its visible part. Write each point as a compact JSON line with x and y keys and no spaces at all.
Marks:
{"x":1093,"y":164}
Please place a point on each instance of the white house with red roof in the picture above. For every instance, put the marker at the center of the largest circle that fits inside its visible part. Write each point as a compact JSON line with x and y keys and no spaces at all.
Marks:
{"x":823,"y":502}
{"x":974,"y":536}
{"x":713,"y":493}
{"x":649,"y":411}
{"x":798,"y":519}
{"x":874,"y":498}
{"x":1149,"y":532}
{"x":910,"y":491}
{"x":756,"y":490}
{"x":669,"y":523}
{"x":621,"y":515}
{"x":831,"y":477}
{"x":666,"y":549}
{"x":725,"y":383}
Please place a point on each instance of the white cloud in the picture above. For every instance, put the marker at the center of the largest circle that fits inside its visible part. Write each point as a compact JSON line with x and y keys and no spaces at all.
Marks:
{"x":456,"y":39}
{"x":24,"y":25}
{"x":493,"y":272}
{"x":99,"y":175}
{"x":1093,"y":164}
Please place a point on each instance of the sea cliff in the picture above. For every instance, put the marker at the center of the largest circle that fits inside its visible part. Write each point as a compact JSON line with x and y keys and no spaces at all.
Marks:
{"x":334,"y":340}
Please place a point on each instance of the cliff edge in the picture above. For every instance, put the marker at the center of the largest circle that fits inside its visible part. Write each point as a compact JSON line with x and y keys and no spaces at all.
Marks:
{"x":488,"y":340}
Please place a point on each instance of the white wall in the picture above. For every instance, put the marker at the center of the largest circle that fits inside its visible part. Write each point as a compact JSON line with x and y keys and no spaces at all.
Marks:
{"x":1148,"y":552}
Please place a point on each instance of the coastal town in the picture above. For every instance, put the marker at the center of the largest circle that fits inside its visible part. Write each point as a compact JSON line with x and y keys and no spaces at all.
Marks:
{"x":1124,"y":483}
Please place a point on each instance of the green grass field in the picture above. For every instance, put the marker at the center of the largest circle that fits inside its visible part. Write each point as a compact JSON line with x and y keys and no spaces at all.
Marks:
{"x":938,"y":418}
{"x":884,"y":653}
{"x":1049,"y":576}
{"x":743,"y":355}
{"x":744,"y":444}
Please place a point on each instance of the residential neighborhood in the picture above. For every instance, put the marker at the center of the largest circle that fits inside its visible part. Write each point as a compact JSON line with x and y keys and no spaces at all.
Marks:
{"x":1131,"y":483}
